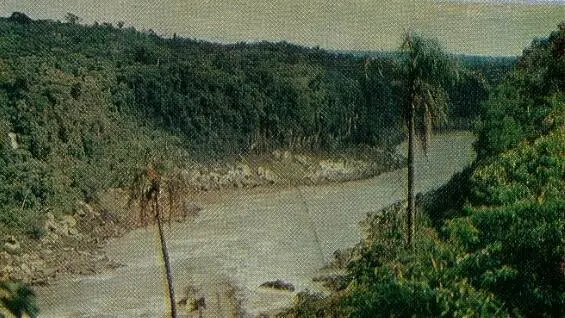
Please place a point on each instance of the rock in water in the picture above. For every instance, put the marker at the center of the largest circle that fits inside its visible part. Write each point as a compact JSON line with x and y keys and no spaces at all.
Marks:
{"x":279,"y":284}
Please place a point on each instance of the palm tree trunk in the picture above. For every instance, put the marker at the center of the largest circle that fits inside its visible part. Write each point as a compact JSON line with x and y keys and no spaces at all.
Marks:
{"x":165,"y":255}
{"x":410,"y":228}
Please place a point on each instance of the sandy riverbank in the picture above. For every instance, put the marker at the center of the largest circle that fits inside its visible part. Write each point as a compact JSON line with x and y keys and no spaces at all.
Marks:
{"x":72,"y":244}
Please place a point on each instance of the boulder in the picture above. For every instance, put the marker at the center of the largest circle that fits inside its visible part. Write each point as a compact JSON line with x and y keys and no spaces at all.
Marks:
{"x":25,"y":269}
{"x":64,"y":227}
{"x":244,"y":170}
{"x":13,"y":140}
{"x":12,"y":245}
{"x":266,"y":174}
{"x":281,"y":155}
{"x":303,"y":160}
{"x":69,"y":220}
{"x":197,"y":304}
{"x":8,"y":270}
{"x":279,"y":284}
{"x":52,"y":226}
{"x":84,"y":209}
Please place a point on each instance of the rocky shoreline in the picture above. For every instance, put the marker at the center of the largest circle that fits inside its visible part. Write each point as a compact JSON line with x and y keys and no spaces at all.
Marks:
{"x":73,"y":244}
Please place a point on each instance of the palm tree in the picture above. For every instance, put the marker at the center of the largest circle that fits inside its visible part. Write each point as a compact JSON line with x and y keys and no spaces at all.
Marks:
{"x":146,"y":191}
{"x":18,"y":299}
{"x":425,"y":70}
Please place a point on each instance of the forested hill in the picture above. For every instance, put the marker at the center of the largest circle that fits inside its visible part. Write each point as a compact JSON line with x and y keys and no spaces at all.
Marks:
{"x":81,"y":105}
{"x":231,"y":98}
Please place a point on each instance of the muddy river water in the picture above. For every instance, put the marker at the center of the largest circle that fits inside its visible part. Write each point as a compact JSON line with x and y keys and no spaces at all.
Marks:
{"x":243,"y":239}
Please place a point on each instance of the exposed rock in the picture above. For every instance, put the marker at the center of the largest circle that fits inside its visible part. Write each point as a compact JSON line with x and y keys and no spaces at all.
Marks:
{"x":285,"y":167}
{"x":303,"y":160}
{"x":8,"y":270}
{"x":279,"y":284}
{"x":60,"y":252}
{"x":69,"y":220}
{"x":197,"y":304}
{"x":84,"y":209}
{"x":5,"y":258}
{"x":282,"y":155}
{"x":25,"y":269}
{"x":266,"y":174}
{"x":50,"y":224}
{"x":236,"y":176}
{"x":65,"y":227}
{"x":12,"y":245}
{"x":13,"y":140}
{"x":54,"y":227}
{"x":244,"y":169}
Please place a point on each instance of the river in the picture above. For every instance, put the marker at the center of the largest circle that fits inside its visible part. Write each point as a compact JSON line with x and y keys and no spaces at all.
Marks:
{"x":242,"y":239}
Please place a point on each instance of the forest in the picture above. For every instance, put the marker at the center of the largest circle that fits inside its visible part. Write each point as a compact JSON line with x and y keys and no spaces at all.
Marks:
{"x":489,"y":243}
{"x":82,"y":106}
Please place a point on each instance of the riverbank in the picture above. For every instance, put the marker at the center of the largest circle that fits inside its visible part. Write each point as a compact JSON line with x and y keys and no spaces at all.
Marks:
{"x":73,"y":244}
{"x":244,"y":238}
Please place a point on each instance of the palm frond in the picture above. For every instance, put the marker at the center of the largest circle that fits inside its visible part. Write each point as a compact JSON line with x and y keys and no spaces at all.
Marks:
{"x":427,"y":71}
{"x":18,"y":299}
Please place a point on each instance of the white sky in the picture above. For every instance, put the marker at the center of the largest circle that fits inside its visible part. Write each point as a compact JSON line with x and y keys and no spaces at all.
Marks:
{"x":464,"y":26}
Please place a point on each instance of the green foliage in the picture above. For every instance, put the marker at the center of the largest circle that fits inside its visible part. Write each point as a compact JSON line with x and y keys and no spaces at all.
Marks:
{"x":448,"y":200}
{"x":18,"y":299}
{"x":515,"y":252}
{"x":465,"y":95}
{"x":494,"y":244}
{"x":519,"y":106}
{"x":425,"y":71}
{"x":405,"y":284}
{"x":68,"y":143}
{"x":513,"y":237}
{"x":384,"y":241}
{"x":532,"y":171}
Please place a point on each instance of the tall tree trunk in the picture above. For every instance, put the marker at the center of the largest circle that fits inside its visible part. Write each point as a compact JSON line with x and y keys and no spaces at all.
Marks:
{"x":410,"y":228}
{"x":165,"y":255}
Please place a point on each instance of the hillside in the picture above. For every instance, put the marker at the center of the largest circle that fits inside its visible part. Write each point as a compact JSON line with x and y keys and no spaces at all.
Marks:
{"x":81,"y":107}
{"x":489,"y":243}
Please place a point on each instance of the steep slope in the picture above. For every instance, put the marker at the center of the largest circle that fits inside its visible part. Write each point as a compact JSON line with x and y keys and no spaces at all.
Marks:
{"x":492,"y":241}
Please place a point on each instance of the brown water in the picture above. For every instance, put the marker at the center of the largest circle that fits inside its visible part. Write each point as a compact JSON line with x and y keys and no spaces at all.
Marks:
{"x":243,"y":239}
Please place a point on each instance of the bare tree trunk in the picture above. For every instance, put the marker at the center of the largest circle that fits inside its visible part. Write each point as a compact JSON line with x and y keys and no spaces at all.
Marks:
{"x":165,"y":255}
{"x":410,"y":228}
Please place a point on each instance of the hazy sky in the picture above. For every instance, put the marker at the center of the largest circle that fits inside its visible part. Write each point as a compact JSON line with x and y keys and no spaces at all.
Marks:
{"x":501,"y":27}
